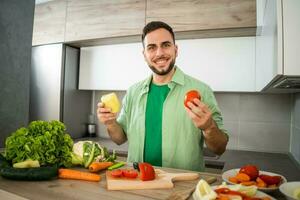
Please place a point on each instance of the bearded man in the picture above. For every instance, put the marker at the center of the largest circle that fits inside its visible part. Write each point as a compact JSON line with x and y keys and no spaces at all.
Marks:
{"x":160,"y":130}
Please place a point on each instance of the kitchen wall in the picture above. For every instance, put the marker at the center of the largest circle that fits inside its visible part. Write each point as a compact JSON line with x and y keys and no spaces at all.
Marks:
{"x":255,"y":121}
{"x":16,"y":21}
{"x":295,"y":133}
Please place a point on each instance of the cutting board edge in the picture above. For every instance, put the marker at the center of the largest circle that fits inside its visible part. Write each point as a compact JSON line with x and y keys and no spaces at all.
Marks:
{"x":113,"y":187}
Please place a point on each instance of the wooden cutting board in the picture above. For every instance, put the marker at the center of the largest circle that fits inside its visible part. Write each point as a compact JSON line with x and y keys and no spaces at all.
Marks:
{"x":163,"y":180}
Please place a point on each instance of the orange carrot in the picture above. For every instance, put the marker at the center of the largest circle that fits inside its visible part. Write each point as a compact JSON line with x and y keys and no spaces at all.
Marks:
{"x":260,"y":183}
{"x":77,"y":175}
{"x":248,"y":183}
{"x":97,"y":166}
{"x":233,"y":179}
{"x":242,"y":177}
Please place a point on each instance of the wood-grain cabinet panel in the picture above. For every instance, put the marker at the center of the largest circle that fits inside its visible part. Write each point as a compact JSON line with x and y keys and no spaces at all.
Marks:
{"x":92,"y":19}
{"x":49,"y":22}
{"x":190,"y":15}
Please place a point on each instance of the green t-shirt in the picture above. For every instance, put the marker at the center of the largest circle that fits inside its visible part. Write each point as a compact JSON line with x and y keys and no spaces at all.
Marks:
{"x":153,"y":133}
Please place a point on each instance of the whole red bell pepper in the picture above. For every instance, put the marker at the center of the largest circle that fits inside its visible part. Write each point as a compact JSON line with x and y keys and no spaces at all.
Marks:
{"x":147,"y":172}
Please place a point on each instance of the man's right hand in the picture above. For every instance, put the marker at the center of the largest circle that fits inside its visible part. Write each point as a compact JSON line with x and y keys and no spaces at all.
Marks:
{"x":105,"y":115}
{"x":108,"y":118}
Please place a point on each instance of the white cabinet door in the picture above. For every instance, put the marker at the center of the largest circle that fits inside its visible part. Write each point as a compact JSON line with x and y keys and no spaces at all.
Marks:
{"x":260,"y":12}
{"x":226,"y":64}
{"x":111,"y":67}
{"x":291,"y":33}
{"x":277,"y":49}
{"x":269,"y":46}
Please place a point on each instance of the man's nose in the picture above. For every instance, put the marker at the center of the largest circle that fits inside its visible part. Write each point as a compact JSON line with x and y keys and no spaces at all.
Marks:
{"x":159,"y":51}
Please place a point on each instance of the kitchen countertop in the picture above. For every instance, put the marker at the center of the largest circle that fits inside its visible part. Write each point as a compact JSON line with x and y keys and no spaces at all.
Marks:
{"x":71,"y":189}
{"x":74,"y":189}
{"x":279,"y":163}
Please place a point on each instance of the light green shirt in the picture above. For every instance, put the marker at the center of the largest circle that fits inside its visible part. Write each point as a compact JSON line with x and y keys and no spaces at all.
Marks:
{"x":182,"y":141}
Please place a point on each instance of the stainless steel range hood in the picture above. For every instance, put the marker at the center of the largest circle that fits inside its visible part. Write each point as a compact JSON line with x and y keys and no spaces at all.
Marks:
{"x":287,"y":83}
{"x":283,"y":84}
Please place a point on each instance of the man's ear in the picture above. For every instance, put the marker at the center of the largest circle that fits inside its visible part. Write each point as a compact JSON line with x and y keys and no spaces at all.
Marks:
{"x":176,"y":50}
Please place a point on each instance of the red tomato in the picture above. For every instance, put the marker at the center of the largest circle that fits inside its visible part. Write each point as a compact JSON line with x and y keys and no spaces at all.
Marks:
{"x":129,"y":173}
{"x":270,"y":180}
{"x":250,"y":170}
{"x":147,"y":172}
{"x":190,"y":96}
{"x":116,"y":173}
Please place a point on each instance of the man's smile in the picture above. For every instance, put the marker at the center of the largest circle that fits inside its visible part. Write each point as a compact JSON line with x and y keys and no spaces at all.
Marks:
{"x":161,"y":61}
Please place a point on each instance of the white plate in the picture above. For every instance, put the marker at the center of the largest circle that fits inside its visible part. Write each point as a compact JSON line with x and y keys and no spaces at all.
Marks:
{"x":288,"y":189}
{"x":233,"y":172}
{"x":258,"y":194}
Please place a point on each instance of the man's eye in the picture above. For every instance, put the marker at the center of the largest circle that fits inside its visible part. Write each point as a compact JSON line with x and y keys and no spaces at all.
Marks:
{"x":166,"y":45}
{"x":150,"y":48}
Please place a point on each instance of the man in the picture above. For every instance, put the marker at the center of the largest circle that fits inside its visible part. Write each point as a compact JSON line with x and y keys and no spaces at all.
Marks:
{"x":159,"y":128}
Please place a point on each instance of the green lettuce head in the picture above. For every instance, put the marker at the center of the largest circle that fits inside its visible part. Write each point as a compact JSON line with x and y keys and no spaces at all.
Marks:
{"x":44,"y":141}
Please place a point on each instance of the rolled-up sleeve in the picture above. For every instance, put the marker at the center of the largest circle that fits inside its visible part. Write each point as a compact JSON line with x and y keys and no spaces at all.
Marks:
{"x":215,"y":110}
{"x":123,"y":118}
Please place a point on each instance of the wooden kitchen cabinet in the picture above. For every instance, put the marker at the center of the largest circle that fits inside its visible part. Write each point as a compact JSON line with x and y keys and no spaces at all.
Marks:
{"x":94,"y":19}
{"x":49,"y":22}
{"x":277,"y":49}
{"x":209,"y":18}
{"x":96,"y":22}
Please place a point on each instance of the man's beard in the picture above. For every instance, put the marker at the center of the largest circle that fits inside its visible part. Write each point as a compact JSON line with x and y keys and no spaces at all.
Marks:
{"x":163,"y":72}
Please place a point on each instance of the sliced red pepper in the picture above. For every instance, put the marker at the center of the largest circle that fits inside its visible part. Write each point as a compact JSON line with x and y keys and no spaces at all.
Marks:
{"x":222,"y":190}
{"x":270,"y":180}
{"x":254,"y":198}
{"x":116,"y":173}
{"x":229,"y":192}
{"x":147,"y":172}
{"x":129,"y":173}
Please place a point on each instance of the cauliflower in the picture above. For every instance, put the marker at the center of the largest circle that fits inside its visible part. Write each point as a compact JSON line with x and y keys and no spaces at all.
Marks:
{"x":89,"y":151}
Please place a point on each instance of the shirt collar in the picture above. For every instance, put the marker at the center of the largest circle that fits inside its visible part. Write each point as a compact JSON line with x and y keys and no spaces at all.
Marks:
{"x":178,"y":78}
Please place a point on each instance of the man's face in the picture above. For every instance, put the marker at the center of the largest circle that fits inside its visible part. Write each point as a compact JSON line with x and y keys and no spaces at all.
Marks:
{"x":160,"y":52}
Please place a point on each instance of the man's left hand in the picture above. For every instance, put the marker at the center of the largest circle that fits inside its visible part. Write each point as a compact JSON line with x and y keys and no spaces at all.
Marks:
{"x":200,"y":114}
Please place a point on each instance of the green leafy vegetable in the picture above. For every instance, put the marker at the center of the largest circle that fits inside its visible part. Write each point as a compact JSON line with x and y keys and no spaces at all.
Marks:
{"x":91,"y":151}
{"x":44,"y":141}
{"x":76,"y":159}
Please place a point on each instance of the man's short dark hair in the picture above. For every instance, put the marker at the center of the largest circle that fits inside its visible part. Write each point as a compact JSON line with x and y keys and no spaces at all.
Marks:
{"x":154,"y":25}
